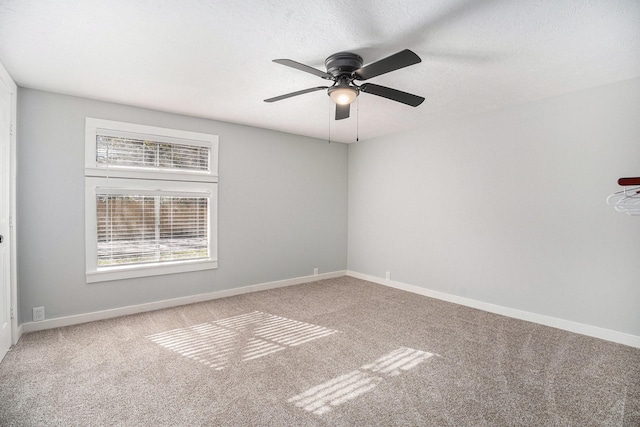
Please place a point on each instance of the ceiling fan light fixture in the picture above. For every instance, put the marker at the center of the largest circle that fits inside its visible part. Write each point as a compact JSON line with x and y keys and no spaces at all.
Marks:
{"x":344,"y":68}
{"x":343,"y":95}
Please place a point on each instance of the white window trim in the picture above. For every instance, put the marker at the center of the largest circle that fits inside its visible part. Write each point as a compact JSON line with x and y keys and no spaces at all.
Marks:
{"x":146,"y":181}
{"x":94,"y":127}
{"x":93,"y":186}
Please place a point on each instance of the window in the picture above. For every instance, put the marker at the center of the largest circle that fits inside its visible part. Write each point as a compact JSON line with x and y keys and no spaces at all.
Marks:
{"x":150,"y":200}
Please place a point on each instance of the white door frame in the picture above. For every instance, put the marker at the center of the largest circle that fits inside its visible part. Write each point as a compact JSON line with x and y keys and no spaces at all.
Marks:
{"x":11,"y":87}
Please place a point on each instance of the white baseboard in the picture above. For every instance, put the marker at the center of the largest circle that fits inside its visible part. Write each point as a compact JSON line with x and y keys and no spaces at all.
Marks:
{"x":19,"y":332}
{"x":567,"y":325}
{"x":157,"y":305}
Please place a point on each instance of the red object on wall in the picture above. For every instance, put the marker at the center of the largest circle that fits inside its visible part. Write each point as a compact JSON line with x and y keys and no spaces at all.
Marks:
{"x":629,"y":181}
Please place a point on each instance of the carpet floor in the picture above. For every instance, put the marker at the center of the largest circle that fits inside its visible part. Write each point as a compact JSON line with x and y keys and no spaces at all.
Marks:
{"x":338,"y":352}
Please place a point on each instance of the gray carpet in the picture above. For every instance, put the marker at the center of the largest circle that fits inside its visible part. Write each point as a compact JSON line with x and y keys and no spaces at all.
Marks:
{"x":331,"y":353}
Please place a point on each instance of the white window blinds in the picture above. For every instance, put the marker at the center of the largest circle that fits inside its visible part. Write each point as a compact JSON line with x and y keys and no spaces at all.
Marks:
{"x":136,"y":229}
{"x":139,"y":153}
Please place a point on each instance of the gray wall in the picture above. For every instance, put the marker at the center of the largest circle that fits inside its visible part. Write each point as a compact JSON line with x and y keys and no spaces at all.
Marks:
{"x":506,"y":208}
{"x":509,"y":207}
{"x":282,"y":207}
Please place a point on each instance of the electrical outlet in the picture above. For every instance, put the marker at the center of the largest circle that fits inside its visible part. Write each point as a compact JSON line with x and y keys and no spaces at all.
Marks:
{"x":315,"y":271}
{"x":387,"y":275}
{"x":38,"y":314}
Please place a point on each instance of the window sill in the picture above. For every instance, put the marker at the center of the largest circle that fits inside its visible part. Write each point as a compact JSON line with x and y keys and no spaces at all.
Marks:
{"x":129,"y":272}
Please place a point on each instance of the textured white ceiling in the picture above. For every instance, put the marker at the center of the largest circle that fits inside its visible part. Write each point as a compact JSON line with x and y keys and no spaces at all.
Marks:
{"x":213,"y":58}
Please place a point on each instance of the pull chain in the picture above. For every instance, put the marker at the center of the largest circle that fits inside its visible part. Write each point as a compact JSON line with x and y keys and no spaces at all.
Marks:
{"x":330,"y":111}
{"x":357,"y":120}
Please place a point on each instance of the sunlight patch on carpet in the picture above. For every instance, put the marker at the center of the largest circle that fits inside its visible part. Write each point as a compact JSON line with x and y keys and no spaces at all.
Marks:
{"x":239,"y":338}
{"x":322,"y":398}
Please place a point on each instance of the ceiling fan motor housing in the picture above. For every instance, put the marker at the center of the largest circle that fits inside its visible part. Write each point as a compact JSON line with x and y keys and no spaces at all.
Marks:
{"x":343,"y":63}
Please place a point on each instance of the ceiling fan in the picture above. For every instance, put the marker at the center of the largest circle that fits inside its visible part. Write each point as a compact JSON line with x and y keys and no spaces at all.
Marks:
{"x":343,"y":68}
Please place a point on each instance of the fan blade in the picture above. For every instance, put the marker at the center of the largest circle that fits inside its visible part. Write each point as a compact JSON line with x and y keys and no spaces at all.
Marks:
{"x":300,"y":92}
{"x":391,"y":63}
{"x":305,"y":68}
{"x":342,"y":111}
{"x":392,"y":94}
